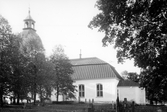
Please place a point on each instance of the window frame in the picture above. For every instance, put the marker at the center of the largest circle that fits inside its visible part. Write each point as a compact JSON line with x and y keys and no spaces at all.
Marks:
{"x":99,"y":90}
{"x":81,"y":90}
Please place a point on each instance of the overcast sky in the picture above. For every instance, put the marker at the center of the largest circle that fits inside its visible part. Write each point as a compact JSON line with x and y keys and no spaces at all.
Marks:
{"x":63,"y":22}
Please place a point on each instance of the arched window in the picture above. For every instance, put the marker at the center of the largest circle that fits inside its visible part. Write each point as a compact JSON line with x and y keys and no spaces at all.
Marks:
{"x":26,"y":24}
{"x":99,"y":90}
{"x":33,"y":26}
{"x":81,"y":90}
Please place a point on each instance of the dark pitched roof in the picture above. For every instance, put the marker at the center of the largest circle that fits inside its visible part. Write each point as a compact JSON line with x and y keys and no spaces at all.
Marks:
{"x":93,"y":68}
{"x":126,"y":83}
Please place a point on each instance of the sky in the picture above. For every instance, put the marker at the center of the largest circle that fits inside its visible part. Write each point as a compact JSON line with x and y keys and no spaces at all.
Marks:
{"x":64,"y":22}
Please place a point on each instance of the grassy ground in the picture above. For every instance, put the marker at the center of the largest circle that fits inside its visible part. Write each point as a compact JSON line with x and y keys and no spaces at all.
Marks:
{"x":64,"y":106}
{"x":47,"y":108}
{"x":150,"y":108}
{"x":75,"y":107}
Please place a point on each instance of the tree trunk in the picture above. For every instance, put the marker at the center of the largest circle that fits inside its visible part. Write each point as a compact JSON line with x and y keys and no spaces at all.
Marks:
{"x":14,"y":100}
{"x":57,"y":95}
{"x":18,"y":98}
{"x":34,"y":98}
{"x":156,"y":102}
{"x":35,"y":93}
{"x":1,"y":95}
{"x":35,"y":84}
{"x":1,"y":99}
{"x":151,"y":102}
{"x":41,"y":97}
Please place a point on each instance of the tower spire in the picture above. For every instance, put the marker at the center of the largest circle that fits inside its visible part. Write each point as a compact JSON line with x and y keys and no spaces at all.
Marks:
{"x":29,"y":10}
{"x":29,"y":23}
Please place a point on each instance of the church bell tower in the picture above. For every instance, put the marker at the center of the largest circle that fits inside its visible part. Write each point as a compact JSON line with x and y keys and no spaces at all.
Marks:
{"x":29,"y":23}
{"x":30,"y":39}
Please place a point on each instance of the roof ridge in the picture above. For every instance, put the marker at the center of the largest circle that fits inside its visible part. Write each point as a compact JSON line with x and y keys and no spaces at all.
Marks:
{"x":84,"y":58}
{"x":87,"y":61}
{"x":90,"y":64}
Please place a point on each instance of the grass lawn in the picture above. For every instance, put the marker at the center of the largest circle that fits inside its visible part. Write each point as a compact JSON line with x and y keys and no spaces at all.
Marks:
{"x":48,"y":108}
{"x":64,"y":106}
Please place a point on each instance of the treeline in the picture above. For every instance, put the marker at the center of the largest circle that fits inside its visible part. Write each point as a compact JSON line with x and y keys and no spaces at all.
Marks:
{"x":24,"y":74}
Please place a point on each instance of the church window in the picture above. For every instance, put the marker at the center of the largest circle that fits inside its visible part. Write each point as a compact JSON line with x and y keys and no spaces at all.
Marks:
{"x":81,"y":90}
{"x":99,"y":90}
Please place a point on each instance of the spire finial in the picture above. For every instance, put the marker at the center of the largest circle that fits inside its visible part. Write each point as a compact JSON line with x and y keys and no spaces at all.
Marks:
{"x":29,"y":10}
{"x":80,"y":55}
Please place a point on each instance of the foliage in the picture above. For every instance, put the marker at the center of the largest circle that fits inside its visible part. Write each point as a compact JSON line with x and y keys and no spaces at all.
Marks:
{"x":40,"y":71}
{"x":12,"y":63}
{"x":124,"y":74}
{"x":62,"y":81}
{"x":5,"y":34}
{"x":133,"y":76}
{"x":137,"y":28}
{"x":22,"y":72}
{"x":130,"y":75}
{"x":19,"y":76}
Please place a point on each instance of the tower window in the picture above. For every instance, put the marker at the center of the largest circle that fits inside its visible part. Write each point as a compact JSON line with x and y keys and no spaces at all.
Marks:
{"x":33,"y":25}
{"x":26,"y":24}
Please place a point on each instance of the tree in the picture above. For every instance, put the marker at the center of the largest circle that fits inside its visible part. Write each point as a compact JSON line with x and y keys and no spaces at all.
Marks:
{"x":130,"y":76}
{"x":18,"y":62}
{"x":5,"y":70}
{"x":133,"y":76}
{"x":62,"y":82}
{"x":12,"y":64}
{"x":124,"y":74}
{"x":44,"y":80}
{"x":33,"y":49}
{"x":37,"y":64}
{"x":138,"y":30}
{"x":22,"y":71}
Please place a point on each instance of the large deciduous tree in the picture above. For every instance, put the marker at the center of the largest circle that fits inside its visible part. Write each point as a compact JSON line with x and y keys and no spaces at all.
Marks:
{"x":39,"y":80}
{"x":40,"y":72}
{"x":19,"y":76}
{"x":5,"y":34}
{"x":138,"y":30}
{"x":22,"y":72}
{"x":13,"y":77}
{"x":62,"y":82}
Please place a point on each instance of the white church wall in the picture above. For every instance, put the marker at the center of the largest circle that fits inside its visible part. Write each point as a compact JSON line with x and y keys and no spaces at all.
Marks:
{"x":109,"y":90}
{"x":132,"y":94}
{"x":142,"y":94}
{"x":127,"y":92}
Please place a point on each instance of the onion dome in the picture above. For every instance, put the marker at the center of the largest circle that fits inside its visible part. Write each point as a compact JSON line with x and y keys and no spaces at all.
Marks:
{"x":30,"y":39}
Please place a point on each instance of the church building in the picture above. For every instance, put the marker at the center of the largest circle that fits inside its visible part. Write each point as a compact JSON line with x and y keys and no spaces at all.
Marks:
{"x":95,"y":79}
